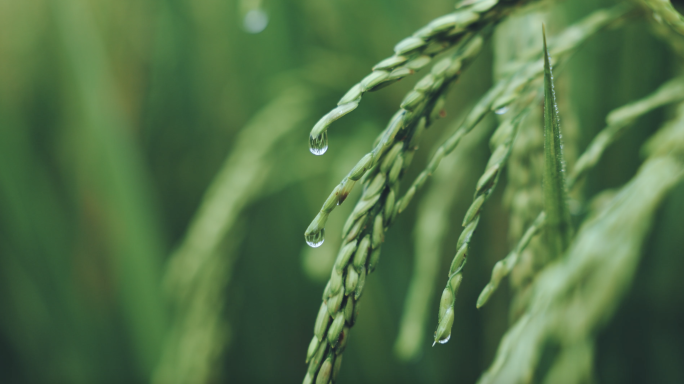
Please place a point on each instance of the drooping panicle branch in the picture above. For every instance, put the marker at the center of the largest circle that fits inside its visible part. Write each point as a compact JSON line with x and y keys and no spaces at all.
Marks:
{"x":504,"y":92}
{"x":501,"y":144}
{"x":364,"y":231}
{"x":428,"y":104}
{"x":414,"y":53}
{"x":618,"y":120}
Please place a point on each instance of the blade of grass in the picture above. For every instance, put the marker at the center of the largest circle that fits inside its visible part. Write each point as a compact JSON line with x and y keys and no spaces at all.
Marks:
{"x":36,"y":265}
{"x":558,"y":225}
{"x":111,"y":172}
{"x":198,"y":271}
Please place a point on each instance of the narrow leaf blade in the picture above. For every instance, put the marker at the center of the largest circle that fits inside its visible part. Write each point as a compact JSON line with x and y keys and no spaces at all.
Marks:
{"x":558,"y":225}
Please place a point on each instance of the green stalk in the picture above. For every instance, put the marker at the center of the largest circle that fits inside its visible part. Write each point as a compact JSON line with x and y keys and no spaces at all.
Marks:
{"x":663,"y":11}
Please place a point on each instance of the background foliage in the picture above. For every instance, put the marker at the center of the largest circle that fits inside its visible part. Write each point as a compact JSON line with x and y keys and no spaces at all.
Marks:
{"x":116,"y":117}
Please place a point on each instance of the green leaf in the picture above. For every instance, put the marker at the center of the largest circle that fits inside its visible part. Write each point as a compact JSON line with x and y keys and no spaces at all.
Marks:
{"x":558,"y":226}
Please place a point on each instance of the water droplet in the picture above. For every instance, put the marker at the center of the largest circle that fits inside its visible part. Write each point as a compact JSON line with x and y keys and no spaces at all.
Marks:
{"x":315,"y":240}
{"x":319,"y":144}
{"x":255,"y":21}
{"x":501,"y":111}
{"x":658,"y":18}
{"x":444,"y":341}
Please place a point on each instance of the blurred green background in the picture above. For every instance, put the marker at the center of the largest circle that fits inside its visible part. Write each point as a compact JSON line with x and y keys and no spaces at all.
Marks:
{"x":117,"y":115}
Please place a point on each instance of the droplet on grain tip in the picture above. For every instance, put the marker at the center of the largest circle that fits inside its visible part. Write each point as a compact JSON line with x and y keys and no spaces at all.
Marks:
{"x":316,"y":239}
{"x":318,"y":145}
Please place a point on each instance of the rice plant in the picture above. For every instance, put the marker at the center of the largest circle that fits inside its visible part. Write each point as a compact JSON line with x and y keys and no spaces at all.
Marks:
{"x":489,"y":191}
{"x":515,"y":95}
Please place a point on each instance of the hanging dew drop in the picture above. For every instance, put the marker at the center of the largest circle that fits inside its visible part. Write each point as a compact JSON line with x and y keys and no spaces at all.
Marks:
{"x":319,"y":145}
{"x":316,"y":239}
{"x":444,"y":341}
{"x":502,"y":110}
